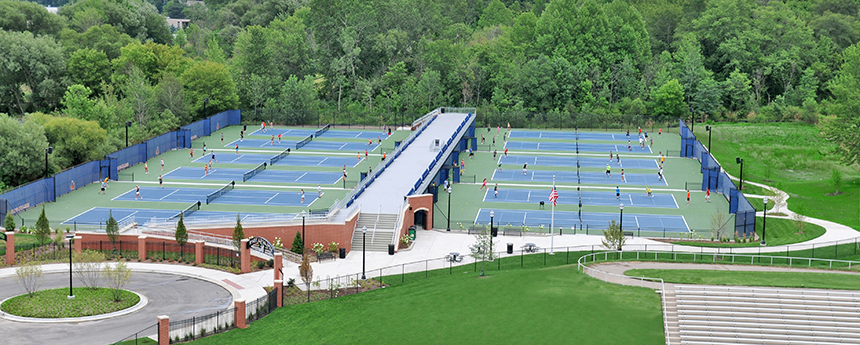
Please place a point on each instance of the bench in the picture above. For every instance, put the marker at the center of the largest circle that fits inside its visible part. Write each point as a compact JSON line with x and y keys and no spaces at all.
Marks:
{"x":475,"y":229}
{"x":530,"y":248}
{"x":512,"y":231}
{"x":325,"y":256}
{"x":628,"y":233}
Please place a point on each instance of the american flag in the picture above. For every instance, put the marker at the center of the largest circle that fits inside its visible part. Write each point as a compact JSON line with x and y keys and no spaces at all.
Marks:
{"x":553,"y":196}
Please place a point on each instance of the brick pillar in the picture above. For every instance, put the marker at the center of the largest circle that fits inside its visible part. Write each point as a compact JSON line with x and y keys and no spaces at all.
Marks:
{"x":10,"y":248}
{"x":279,"y":285}
{"x":245,"y":256}
{"x":141,"y":248}
{"x":163,"y":330}
{"x":198,"y":252}
{"x":79,"y":246}
{"x":279,"y":262}
{"x":240,"y":313}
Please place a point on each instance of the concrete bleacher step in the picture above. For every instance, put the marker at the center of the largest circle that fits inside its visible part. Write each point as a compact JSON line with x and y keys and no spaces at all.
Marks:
{"x":380,"y":231}
{"x":731,"y":315}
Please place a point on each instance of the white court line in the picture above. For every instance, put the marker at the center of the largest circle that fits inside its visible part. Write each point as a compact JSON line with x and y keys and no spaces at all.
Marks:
{"x":273,"y":196}
{"x":637,"y":221}
{"x":685,"y":223}
{"x":174,"y":169}
{"x":80,"y":214}
{"x":114,"y":198}
{"x":674,"y":201}
{"x":528,"y":197}
{"x":169,"y":194}
{"x":631,"y":199}
{"x":300,"y":177}
{"x":324,"y":159}
{"x":237,"y":158}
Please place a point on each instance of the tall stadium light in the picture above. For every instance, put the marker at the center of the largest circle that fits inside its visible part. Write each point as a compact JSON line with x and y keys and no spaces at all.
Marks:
{"x":740,"y":161}
{"x":708,"y":128}
{"x":127,"y":125}
{"x":621,"y":218}
{"x":449,"y":206}
{"x":48,"y":151}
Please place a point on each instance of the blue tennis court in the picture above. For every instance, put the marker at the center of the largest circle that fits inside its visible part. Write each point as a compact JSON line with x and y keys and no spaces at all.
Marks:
{"x":268,"y":175}
{"x":593,"y":198}
{"x":591,"y":219}
{"x":266,"y":197}
{"x":313,"y":145}
{"x":585,"y":162}
{"x":567,"y":146}
{"x":571,"y":135}
{"x":233,"y":197}
{"x":587,"y":177}
{"x":354,"y":134}
{"x":99,"y":215}
{"x":183,"y":195}
{"x":285,"y":132}
{"x":293,"y":160}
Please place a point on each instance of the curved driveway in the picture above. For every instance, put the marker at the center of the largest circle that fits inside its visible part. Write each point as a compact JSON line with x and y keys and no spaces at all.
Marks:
{"x":178,"y":296}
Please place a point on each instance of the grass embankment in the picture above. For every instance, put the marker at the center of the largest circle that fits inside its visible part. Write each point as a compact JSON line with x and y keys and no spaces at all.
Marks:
{"x":794,"y":158}
{"x":779,"y":232}
{"x":54,"y":304}
{"x":520,"y":306}
{"x":22,"y":242}
{"x":753,"y":278}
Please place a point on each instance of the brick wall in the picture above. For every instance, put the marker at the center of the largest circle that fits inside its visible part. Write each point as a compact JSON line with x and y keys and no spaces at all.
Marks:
{"x":416,"y":203}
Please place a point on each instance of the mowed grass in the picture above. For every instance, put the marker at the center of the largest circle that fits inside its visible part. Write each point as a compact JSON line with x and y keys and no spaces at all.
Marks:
{"x":53,"y":303}
{"x":524,"y":306}
{"x":779,"y":232}
{"x":793,"y":157}
{"x":751,"y":278}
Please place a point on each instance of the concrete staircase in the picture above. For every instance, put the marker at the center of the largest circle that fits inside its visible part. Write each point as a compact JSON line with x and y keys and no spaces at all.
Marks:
{"x":671,"y":317}
{"x":380,"y":231}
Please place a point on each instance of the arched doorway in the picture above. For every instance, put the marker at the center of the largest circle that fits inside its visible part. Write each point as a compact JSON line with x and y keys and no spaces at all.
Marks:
{"x":421,"y":219}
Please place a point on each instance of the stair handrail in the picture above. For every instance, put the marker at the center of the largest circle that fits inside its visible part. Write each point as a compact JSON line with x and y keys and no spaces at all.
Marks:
{"x":376,"y":224}
{"x":399,"y":224}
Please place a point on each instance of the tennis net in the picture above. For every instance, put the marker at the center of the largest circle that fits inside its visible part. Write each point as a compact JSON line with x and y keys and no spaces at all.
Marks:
{"x":218,"y":193}
{"x":189,"y":210}
{"x":322,"y":131}
{"x":279,"y":156}
{"x":304,"y":141}
{"x":253,"y":172}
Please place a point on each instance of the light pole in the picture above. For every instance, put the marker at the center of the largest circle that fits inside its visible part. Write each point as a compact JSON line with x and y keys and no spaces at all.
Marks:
{"x":449,"y":207}
{"x":764,"y":223}
{"x":621,"y":218}
{"x":127,"y":125}
{"x":740,"y":161}
{"x":304,"y":239}
{"x":692,"y":120}
{"x":70,"y":238}
{"x":708,"y":128}
{"x":48,"y":151}
{"x":363,"y":241}
{"x":493,"y":214}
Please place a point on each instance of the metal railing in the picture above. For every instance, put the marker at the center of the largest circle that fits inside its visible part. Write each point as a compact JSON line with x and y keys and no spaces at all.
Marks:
{"x":140,"y":335}
{"x":201,"y":326}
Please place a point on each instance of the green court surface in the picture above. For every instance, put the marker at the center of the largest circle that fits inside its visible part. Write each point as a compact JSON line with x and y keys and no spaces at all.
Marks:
{"x":88,"y":197}
{"x":468,"y":198}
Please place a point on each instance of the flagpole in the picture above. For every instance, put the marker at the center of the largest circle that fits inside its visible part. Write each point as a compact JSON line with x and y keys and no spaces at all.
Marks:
{"x":552,"y":221}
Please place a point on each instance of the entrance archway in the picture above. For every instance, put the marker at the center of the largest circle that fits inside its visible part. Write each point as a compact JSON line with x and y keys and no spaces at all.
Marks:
{"x":421,"y":219}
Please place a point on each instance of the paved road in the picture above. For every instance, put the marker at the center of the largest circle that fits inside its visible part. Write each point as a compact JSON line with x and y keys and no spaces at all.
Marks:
{"x":179,"y":297}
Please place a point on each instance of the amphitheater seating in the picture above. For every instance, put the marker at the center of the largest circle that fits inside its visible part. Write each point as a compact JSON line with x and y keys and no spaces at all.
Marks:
{"x":715,"y":315}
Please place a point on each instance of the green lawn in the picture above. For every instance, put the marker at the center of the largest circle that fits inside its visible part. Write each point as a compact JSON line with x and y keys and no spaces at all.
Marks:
{"x":779,"y":232}
{"x":794,"y":158}
{"x":22,"y":241}
{"x":521,"y":306}
{"x":139,"y":341}
{"x":54,"y":304}
{"x":748,"y":278}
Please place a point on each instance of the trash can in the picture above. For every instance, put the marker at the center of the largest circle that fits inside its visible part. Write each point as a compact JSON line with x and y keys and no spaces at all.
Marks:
{"x":412,"y":233}
{"x":510,"y":248}
{"x":341,"y":253}
{"x":390,"y":249}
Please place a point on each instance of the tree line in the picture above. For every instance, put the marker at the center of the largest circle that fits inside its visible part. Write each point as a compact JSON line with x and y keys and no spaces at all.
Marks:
{"x":79,"y":75}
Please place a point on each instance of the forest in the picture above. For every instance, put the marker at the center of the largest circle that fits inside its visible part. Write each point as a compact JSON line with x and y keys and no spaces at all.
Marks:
{"x":76,"y":79}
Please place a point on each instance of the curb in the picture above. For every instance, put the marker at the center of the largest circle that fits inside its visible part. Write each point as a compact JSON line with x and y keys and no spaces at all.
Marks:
{"x":140,"y":304}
